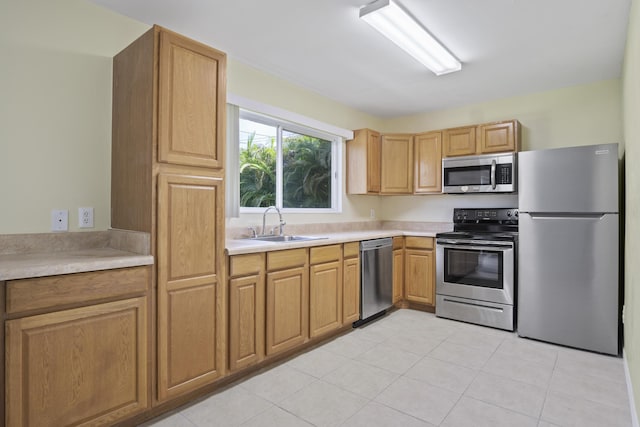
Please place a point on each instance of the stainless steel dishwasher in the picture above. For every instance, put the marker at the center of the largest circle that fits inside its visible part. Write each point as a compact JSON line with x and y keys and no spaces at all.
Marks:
{"x":376,"y":267}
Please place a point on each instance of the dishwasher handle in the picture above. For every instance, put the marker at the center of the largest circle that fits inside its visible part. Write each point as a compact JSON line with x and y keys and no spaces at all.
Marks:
{"x":368,"y":245}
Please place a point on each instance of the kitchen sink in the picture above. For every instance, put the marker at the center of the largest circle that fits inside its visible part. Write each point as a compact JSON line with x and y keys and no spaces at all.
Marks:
{"x":285,"y":238}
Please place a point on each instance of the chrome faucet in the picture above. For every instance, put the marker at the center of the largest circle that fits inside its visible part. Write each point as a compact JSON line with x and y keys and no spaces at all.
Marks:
{"x":264,"y":219}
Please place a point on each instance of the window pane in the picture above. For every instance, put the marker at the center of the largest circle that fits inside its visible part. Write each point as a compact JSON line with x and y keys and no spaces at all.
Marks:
{"x":306,"y":167}
{"x":257,"y":164}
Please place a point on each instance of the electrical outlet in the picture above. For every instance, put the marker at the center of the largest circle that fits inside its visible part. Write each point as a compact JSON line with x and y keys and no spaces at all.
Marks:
{"x":372,"y":213}
{"x":85,"y":217}
{"x":59,"y":220}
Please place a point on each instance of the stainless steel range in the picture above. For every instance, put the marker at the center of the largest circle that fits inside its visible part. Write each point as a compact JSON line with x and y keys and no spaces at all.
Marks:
{"x":476,"y":267}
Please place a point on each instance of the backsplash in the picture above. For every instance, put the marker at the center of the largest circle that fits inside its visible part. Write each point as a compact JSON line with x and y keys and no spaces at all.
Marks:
{"x":129,"y":241}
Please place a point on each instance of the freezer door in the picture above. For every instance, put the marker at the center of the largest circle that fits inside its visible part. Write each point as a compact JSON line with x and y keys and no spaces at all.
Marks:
{"x":575,"y":179}
{"x":568,"y":276}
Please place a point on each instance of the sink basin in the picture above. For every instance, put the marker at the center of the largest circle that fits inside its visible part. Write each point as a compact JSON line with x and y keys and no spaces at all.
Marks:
{"x":285,"y":238}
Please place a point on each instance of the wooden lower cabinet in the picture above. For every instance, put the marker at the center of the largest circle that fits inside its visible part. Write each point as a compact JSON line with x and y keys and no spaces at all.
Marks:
{"x":325,"y":298}
{"x":398,"y":275}
{"x":351,"y":289}
{"x":287,"y":321}
{"x":287,"y":309}
{"x":246,"y":311}
{"x":419,"y":271}
{"x":84,"y":366}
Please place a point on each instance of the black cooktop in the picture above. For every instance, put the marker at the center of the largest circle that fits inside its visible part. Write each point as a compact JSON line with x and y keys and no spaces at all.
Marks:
{"x":484,"y":224}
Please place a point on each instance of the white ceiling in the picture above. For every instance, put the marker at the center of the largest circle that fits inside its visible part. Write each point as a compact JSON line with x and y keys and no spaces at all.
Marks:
{"x":507,"y":47}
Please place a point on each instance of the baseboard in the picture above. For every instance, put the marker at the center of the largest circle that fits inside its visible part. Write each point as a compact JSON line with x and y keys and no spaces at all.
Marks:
{"x":632,"y":402}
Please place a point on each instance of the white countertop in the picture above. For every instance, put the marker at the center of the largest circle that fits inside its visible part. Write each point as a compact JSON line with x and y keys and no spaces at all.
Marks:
{"x":247,"y":246}
{"x":27,"y":265}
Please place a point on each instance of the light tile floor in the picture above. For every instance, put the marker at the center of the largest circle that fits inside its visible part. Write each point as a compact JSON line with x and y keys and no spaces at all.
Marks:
{"x":413,"y":369}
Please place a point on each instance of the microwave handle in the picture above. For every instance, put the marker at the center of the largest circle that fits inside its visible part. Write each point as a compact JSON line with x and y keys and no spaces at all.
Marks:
{"x":493,"y":174}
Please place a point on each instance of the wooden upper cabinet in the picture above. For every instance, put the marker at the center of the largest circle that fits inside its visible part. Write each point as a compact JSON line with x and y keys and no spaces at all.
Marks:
{"x":191,"y":102}
{"x":396,"y":164}
{"x":363,"y":162}
{"x":428,"y":162}
{"x":499,"y":137}
{"x":459,"y":141}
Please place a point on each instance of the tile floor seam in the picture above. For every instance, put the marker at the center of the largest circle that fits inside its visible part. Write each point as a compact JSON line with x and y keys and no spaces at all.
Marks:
{"x":291,"y":413}
{"x":461,"y":395}
{"x":502,"y":407}
{"x":548,"y":387}
{"x":573,"y":396}
{"x":259,"y":413}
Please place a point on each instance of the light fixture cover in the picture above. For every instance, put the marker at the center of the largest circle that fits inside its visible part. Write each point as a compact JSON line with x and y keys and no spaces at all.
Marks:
{"x":395,"y":24}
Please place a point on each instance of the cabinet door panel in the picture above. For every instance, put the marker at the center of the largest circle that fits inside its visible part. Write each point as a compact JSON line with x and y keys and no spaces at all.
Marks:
{"x":419,"y":276}
{"x":398,"y":274}
{"x":351,"y":291}
{"x":190,"y":310}
{"x":373,"y":162}
{"x":86,"y":366}
{"x":428,"y":163}
{"x":189,"y":209}
{"x":287,"y":309}
{"x":325,"y":298}
{"x":459,"y":141}
{"x":188,"y":341}
{"x":397,"y":164}
{"x":191,"y":102}
{"x":497,"y":137}
{"x":246,"y":321}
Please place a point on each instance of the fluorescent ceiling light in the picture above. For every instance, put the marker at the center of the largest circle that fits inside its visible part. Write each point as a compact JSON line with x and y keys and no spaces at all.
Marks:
{"x":394,"y":23}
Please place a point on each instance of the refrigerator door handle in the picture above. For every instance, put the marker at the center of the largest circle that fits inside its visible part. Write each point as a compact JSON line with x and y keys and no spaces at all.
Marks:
{"x":565,"y":216}
{"x":493,"y":174}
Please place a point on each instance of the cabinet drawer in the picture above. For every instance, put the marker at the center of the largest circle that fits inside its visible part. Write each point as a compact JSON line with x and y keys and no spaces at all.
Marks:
{"x":351,"y":249}
{"x":325,"y":254}
{"x":69,"y":289}
{"x":242,"y":265}
{"x":419,"y":242}
{"x":398,"y":242}
{"x":285,"y":259}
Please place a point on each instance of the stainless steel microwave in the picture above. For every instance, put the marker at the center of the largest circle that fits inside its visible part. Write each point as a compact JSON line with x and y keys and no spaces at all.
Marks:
{"x":487,"y":173}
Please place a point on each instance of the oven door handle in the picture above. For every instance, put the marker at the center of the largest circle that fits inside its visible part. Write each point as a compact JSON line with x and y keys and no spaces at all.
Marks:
{"x":494,"y":247}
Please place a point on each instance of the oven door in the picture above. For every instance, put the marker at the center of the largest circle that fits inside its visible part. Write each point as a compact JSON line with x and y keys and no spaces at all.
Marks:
{"x":478,"y":270}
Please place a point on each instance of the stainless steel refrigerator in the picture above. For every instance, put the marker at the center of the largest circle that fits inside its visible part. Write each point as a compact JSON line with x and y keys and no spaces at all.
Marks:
{"x":568,"y":269}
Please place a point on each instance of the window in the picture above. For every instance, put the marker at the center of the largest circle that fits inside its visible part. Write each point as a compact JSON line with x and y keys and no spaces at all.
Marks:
{"x":286,"y":165}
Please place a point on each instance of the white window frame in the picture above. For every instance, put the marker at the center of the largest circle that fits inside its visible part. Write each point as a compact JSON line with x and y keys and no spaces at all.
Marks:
{"x":336,"y":162}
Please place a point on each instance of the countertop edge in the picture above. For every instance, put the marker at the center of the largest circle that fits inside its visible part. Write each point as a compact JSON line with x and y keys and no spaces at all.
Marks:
{"x":247,"y":246}
{"x":27,"y":266}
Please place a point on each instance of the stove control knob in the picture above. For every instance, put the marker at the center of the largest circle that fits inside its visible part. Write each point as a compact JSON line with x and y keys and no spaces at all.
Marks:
{"x":515,"y":213}
{"x":508,"y":213}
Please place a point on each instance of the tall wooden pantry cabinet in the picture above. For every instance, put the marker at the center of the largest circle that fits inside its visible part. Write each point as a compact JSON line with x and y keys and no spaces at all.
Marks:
{"x":168,"y":180}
